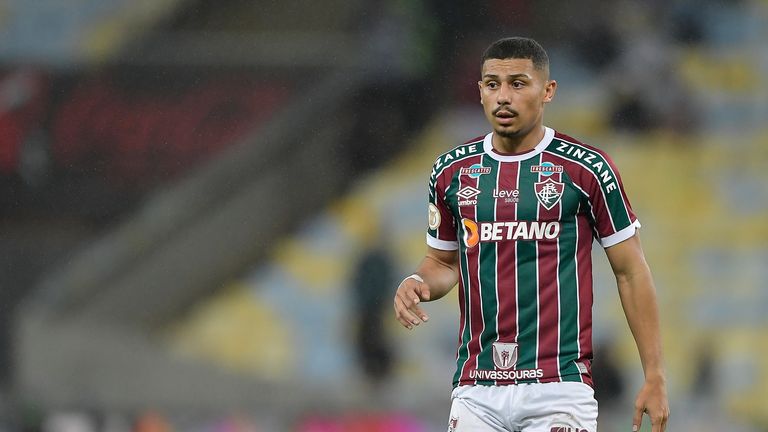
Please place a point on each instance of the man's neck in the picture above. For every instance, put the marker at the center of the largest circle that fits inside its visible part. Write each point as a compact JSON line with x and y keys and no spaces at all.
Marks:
{"x":518,"y":144}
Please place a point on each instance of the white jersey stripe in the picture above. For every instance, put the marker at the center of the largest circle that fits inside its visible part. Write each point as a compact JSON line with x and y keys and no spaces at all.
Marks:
{"x":620,"y":236}
{"x":442,"y":244}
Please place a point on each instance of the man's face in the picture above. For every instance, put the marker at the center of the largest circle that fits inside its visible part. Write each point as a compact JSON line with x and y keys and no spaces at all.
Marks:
{"x":513,"y":93}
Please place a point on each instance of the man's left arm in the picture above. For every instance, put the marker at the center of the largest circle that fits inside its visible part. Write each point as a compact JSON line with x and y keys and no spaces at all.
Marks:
{"x":638,"y":298}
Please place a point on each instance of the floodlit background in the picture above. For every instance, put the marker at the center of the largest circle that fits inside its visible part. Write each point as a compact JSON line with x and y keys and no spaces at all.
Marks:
{"x":205,"y":206}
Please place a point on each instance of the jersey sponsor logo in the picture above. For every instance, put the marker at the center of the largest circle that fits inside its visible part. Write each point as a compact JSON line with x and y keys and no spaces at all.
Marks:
{"x":504,"y":355}
{"x":475,"y":232}
{"x":597,"y":163}
{"x":434,"y":217}
{"x":508,"y":195}
{"x":471,"y":233}
{"x":475,"y":171}
{"x":547,"y":169}
{"x":548,"y":192}
{"x":512,"y":374}
{"x":468,"y":193}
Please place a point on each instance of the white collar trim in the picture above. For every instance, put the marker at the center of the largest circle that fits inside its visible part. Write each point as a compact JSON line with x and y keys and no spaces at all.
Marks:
{"x":488,"y":147}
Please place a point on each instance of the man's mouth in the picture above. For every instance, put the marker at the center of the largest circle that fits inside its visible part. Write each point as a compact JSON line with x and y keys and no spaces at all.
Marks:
{"x":504,"y":114}
{"x":504,"y":117}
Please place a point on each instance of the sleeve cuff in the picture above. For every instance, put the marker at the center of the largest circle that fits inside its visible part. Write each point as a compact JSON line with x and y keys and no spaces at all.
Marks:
{"x":620,"y":236}
{"x":441,"y":244}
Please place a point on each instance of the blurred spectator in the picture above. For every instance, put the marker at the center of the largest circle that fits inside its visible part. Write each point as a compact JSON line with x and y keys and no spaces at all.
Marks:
{"x":688,"y":24}
{"x":630,"y":113}
{"x":609,"y":383}
{"x":23,"y":104}
{"x":646,"y":89}
{"x":596,"y":39}
{"x":704,"y":374}
{"x":372,"y":283}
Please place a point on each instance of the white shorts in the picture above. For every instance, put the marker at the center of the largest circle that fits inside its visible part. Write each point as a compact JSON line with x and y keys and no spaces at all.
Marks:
{"x":548,"y":407}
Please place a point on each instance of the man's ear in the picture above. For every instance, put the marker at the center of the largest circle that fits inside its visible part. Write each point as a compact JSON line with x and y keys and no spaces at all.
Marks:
{"x":480,"y":90}
{"x":550,"y":88}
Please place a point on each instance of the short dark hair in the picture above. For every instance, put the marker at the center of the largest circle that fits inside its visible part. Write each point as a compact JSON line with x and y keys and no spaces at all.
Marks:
{"x":518,"y":48}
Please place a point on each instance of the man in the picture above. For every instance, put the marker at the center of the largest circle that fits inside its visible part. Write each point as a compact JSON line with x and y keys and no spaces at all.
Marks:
{"x":512,"y":217}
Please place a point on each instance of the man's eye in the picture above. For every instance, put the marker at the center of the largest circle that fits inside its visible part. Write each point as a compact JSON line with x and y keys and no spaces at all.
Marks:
{"x":518,"y":84}
{"x":492,"y":85}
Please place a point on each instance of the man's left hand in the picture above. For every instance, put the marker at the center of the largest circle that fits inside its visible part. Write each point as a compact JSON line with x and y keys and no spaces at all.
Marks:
{"x":652,"y":400}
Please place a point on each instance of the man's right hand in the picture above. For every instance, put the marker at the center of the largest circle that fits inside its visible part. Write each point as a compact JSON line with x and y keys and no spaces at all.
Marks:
{"x":411,"y":292}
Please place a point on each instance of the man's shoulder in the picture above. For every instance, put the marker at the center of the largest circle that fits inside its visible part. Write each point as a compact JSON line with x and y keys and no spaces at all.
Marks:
{"x":562,"y":143}
{"x":572,"y":149}
{"x":457,"y":157}
{"x":465,"y":150}
{"x":583,"y":157}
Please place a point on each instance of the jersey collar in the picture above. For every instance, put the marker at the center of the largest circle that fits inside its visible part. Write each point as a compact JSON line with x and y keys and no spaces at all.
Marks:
{"x":488,"y":147}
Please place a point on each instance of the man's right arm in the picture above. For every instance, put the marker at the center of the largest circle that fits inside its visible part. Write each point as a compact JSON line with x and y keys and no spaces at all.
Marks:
{"x":439,"y":273}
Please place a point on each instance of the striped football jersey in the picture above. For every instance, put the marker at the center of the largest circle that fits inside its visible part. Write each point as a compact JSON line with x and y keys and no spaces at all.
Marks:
{"x":523,"y":226}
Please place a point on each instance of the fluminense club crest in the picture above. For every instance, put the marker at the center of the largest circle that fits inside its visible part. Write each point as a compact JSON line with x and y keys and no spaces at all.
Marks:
{"x":504,"y":355}
{"x":549,"y":192}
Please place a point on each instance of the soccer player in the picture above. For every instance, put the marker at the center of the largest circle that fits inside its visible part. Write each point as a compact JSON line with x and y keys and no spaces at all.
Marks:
{"x":512,"y":218}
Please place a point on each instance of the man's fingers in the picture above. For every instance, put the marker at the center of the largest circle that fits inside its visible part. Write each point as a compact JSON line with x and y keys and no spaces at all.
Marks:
{"x":418,"y":313}
{"x":420,"y":293}
{"x":400,"y":315}
{"x":411,"y":292}
{"x":658,"y":421}
{"x":411,"y":302}
{"x":412,"y":316}
{"x":424,"y":291}
{"x":424,"y":295}
{"x":637,"y":419}
{"x":656,"y":426}
{"x":404,"y":314}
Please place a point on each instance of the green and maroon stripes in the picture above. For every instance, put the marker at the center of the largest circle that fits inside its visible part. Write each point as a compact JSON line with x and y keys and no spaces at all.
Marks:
{"x":527,"y":273}
{"x":469,"y":294}
{"x":569,"y":289}
{"x":462,"y":353}
{"x":585,"y":293}
{"x":549,"y":283}
{"x":516,"y":286}
{"x":507,"y":269}
{"x":486,"y":211}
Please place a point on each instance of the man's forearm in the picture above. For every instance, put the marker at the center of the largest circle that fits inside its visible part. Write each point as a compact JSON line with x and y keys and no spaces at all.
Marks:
{"x":439,"y":275}
{"x":638,"y":298}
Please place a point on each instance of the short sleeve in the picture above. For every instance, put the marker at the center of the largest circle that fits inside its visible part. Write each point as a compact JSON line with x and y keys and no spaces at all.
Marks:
{"x":615,"y":221}
{"x":441,"y":229}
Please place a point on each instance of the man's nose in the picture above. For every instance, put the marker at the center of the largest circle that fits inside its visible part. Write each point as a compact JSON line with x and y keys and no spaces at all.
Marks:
{"x":503,"y":95}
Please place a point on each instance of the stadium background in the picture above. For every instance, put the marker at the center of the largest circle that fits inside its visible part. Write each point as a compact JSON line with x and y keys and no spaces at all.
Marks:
{"x":198,"y":200}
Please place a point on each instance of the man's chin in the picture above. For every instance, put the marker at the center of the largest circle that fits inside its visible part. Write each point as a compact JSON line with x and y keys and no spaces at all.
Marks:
{"x":507,"y":132}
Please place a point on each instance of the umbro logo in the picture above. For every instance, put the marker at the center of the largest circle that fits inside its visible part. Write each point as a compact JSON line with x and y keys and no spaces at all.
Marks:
{"x":468,"y":194}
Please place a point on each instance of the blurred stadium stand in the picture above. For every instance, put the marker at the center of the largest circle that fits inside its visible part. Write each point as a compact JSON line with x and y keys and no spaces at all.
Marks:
{"x":169,"y":164}
{"x":75,"y":32}
{"x":187,"y":186}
